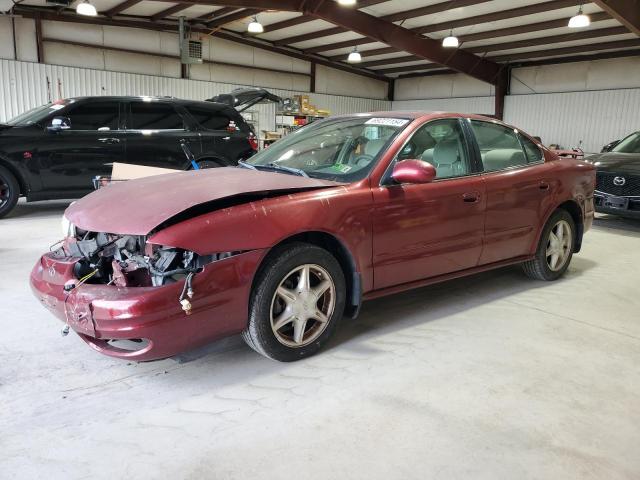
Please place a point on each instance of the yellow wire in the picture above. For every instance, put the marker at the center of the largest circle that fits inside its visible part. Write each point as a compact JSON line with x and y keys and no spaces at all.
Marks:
{"x":88,"y":276}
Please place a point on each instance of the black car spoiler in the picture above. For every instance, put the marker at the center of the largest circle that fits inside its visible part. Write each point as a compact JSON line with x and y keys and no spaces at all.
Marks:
{"x":244,"y":98}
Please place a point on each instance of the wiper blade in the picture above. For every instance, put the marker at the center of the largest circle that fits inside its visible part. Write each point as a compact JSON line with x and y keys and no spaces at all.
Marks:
{"x":243,"y":164}
{"x":273,"y":166}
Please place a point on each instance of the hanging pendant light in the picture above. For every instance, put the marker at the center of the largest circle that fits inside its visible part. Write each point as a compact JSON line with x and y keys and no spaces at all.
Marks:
{"x":85,"y":8}
{"x":255,"y":26}
{"x":347,"y":3}
{"x":451,"y":41}
{"x":354,"y":57}
{"x":580,"y":20}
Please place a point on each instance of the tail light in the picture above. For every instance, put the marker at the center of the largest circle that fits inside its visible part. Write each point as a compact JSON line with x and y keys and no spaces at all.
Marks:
{"x":253,"y":142}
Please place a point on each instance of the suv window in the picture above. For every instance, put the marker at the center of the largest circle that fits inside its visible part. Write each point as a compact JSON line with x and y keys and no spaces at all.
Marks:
{"x":441,"y":143}
{"x":499,"y":146}
{"x":94,"y":116}
{"x":155,"y":116}
{"x":209,"y":118}
{"x":531,"y":150}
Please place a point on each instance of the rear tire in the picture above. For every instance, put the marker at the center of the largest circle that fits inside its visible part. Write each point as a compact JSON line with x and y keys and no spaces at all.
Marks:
{"x":555,"y":249}
{"x":9,"y":191}
{"x":209,"y":164}
{"x":297,"y":302}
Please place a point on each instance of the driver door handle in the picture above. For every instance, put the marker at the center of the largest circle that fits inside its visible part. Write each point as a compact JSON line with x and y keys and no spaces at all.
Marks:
{"x":109,"y":140}
{"x":471,"y":197}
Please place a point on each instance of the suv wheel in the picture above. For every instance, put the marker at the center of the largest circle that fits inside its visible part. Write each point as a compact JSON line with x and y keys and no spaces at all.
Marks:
{"x":9,"y":191}
{"x":296,"y":304}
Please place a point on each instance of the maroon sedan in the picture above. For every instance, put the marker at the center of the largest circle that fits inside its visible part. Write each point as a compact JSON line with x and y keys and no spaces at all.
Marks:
{"x":285,"y":245}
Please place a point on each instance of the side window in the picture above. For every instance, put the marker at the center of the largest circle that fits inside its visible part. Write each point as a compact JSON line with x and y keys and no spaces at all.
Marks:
{"x":209,"y":118}
{"x":441,"y":143}
{"x":101,"y":116}
{"x":155,"y":116}
{"x":531,"y":150}
{"x":499,"y":146}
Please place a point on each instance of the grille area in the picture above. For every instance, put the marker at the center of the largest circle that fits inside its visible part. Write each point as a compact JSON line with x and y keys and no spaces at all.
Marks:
{"x":631,"y":188}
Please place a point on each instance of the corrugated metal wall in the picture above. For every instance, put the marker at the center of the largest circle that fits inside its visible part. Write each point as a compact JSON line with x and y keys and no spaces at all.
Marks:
{"x":594,"y":118}
{"x":23,"y":85}
{"x":482,"y":105}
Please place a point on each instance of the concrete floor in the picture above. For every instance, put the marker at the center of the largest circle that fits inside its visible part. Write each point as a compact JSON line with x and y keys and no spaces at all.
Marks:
{"x":493,"y":376}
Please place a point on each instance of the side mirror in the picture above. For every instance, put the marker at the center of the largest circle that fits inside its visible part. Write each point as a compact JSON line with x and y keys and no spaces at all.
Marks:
{"x":413,"y":171}
{"x":58,"y":124}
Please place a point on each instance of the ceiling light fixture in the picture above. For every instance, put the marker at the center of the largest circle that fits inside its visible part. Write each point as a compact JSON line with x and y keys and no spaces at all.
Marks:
{"x":347,"y":3}
{"x":451,"y":41}
{"x":354,"y":57}
{"x":580,"y":20}
{"x":85,"y":8}
{"x":255,"y":26}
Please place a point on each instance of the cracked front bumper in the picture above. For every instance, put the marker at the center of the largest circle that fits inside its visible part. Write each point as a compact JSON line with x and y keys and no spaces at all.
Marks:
{"x":102,"y":314}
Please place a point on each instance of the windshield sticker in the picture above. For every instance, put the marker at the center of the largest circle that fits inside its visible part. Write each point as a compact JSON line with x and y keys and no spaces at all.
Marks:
{"x":341,"y":167}
{"x":388,"y":122}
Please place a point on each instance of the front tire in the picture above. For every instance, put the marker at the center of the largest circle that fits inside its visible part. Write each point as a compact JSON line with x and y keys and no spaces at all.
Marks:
{"x":555,"y":249}
{"x":297,"y":302}
{"x":9,"y":191}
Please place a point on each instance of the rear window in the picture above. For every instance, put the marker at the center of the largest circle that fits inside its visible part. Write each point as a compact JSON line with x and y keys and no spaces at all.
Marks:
{"x":209,"y":118}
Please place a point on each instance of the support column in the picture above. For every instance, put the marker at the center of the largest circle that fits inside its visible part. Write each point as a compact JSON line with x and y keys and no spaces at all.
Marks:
{"x":39,"y":45}
{"x":312,"y":78}
{"x":502,"y":89}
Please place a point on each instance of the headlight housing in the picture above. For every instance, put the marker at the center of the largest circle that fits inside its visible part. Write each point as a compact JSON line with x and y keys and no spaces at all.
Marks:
{"x":68,"y":228}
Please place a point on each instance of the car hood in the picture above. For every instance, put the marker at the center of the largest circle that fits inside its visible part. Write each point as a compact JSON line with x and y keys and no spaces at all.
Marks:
{"x":614,"y":162}
{"x":137,"y":207}
{"x":4,"y":126}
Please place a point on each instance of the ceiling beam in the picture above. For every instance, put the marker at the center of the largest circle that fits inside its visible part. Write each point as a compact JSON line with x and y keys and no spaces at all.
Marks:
{"x":532,"y":42}
{"x":463,"y":22}
{"x":579,"y":58}
{"x":551,"y":52}
{"x":215,"y":14}
{"x":232,"y":17}
{"x":626,"y":12}
{"x":403,"y":39}
{"x":53,"y":15}
{"x":279,"y":5}
{"x":167,"y":12}
{"x":394,"y":17}
{"x":292,"y":22}
{"x":121,"y":7}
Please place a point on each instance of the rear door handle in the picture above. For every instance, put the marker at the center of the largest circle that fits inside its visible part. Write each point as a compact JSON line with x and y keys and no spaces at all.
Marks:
{"x":109,"y":140}
{"x":471,"y":197}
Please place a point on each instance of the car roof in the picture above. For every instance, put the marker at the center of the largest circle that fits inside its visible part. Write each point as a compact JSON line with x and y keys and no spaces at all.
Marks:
{"x":150,"y":98}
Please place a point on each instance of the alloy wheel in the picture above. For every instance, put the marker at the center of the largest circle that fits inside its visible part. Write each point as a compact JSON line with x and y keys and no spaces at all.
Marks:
{"x":302,"y":305}
{"x":5,"y":191}
{"x":559,"y":245}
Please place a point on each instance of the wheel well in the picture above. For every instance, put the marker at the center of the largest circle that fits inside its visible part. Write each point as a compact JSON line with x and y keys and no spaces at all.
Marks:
{"x":24,"y":189}
{"x":573,"y":209}
{"x":220,"y":161}
{"x":344,"y":258}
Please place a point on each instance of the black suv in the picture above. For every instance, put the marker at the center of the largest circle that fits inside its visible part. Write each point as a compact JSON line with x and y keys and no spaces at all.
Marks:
{"x":54,"y":151}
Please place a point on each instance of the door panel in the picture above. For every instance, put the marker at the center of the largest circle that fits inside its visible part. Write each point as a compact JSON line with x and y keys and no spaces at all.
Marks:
{"x":154,"y":134}
{"x":70,"y":159}
{"x":518,"y":187}
{"x":426,"y":230}
{"x":423,"y":231}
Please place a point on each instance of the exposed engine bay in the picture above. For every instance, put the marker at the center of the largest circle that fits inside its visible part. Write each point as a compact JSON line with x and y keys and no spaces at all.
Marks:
{"x":128,"y":261}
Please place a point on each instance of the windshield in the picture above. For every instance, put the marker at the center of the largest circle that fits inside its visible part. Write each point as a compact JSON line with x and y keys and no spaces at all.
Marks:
{"x":341,"y":150}
{"x":631,"y":144}
{"x":36,"y":115}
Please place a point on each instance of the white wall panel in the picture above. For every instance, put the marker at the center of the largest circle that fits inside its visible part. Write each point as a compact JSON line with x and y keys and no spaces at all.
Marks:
{"x":593,"y":118}
{"x":6,"y":38}
{"x":577,"y":76}
{"x":23,"y":85}
{"x":26,"y":39}
{"x":481,"y":105}
{"x":441,"y":86}
{"x":330,"y":80}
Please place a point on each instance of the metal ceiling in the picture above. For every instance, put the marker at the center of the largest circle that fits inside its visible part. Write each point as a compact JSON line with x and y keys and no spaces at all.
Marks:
{"x":395,"y":37}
